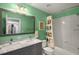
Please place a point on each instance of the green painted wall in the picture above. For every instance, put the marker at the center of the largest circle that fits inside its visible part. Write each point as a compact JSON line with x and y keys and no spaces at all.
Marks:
{"x":39,"y":15}
{"x":30,"y":11}
{"x":67,"y":12}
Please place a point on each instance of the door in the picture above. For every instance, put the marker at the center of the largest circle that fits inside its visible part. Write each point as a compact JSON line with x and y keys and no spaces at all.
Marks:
{"x":13,"y":26}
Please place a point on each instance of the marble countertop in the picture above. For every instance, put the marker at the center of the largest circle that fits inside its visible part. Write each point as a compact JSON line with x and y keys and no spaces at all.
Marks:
{"x":5,"y":48}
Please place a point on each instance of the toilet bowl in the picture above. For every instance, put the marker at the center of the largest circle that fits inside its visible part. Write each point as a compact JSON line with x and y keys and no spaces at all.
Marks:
{"x":48,"y":51}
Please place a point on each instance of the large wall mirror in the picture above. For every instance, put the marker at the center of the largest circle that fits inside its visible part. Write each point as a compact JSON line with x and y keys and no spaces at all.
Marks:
{"x":15,"y":23}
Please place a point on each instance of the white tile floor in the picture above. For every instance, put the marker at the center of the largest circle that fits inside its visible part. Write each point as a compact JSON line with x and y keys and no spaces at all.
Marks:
{"x":57,"y":50}
{"x":60,"y":51}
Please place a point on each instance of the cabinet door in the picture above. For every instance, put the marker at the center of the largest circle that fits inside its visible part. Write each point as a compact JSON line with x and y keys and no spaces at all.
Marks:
{"x":37,"y":49}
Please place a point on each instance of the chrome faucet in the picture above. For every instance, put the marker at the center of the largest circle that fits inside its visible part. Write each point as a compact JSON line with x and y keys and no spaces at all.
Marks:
{"x":11,"y":40}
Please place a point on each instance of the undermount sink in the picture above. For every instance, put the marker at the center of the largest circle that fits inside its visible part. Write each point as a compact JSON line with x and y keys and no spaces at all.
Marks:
{"x":24,"y":41}
{"x":13,"y":44}
{"x":8,"y":45}
{"x":28,"y":41}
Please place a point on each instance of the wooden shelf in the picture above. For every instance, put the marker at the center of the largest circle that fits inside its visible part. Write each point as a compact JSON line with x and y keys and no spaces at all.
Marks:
{"x":48,"y":37}
{"x":49,"y":31}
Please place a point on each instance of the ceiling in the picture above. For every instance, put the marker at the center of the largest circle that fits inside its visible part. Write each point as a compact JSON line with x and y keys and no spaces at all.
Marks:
{"x":53,"y":7}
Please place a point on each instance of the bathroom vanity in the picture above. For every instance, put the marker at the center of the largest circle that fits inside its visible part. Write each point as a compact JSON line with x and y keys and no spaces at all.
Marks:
{"x":24,"y":47}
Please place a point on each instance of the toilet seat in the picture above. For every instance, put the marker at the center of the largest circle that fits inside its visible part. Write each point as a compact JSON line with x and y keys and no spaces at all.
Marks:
{"x":48,"y":51}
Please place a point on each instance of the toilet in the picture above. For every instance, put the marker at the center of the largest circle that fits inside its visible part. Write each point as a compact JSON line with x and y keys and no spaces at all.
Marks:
{"x":48,"y":51}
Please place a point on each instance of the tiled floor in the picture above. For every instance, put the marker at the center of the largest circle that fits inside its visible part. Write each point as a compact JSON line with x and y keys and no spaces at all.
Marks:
{"x":60,"y":51}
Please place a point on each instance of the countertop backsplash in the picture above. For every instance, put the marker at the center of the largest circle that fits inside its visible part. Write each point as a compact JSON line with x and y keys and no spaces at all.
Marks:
{"x":6,"y":39}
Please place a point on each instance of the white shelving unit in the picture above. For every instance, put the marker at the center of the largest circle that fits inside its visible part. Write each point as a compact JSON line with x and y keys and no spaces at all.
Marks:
{"x":49,"y":31}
